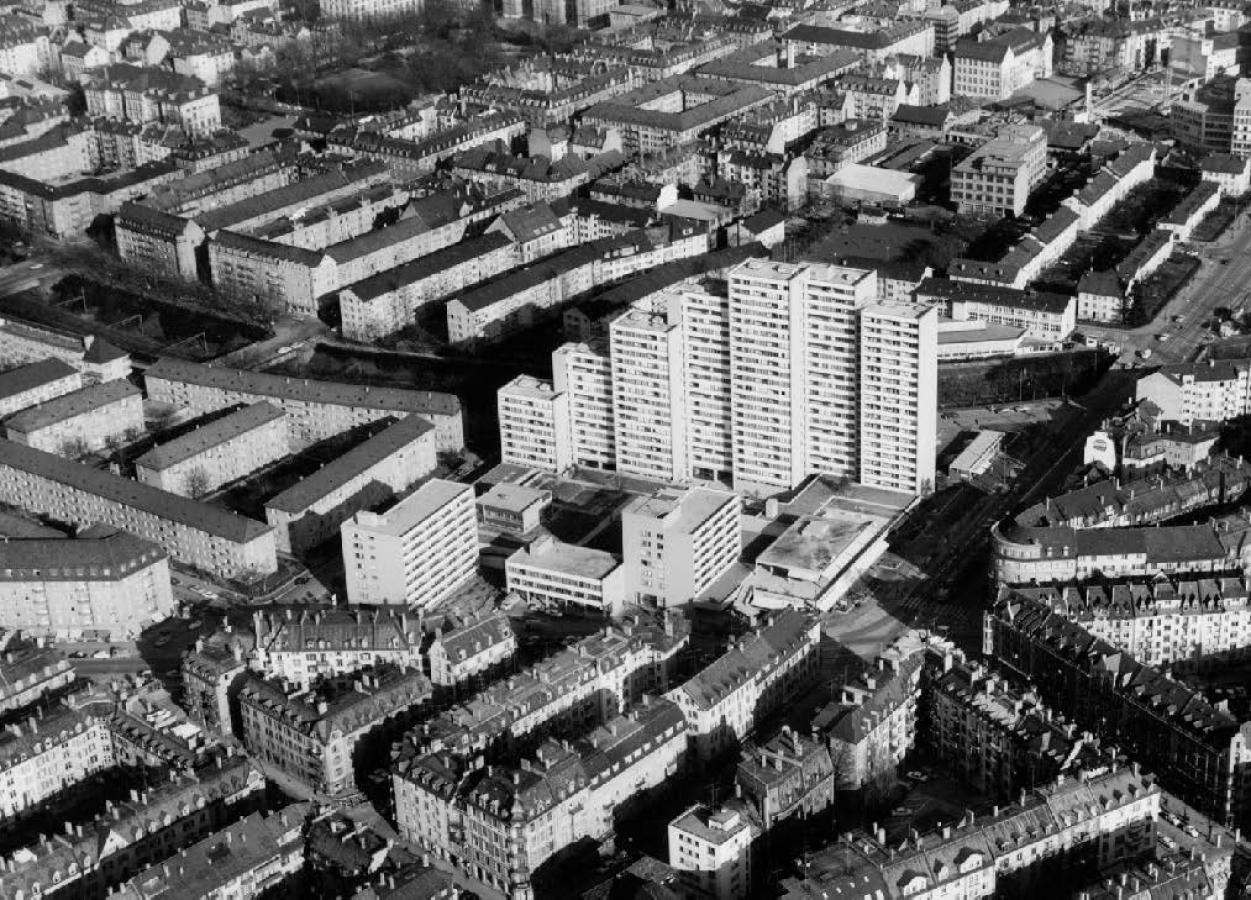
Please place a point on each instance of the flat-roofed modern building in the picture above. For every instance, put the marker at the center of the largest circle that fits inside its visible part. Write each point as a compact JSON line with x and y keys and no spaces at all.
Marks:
{"x":418,"y":552}
{"x":512,"y":508}
{"x":898,"y":396}
{"x":560,"y":576}
{"x":219,"y":452}
{"x":677,"y":543}
{"x":534,"y":424}
{"x":194,"y":533}
{"x":102,"y":581}
{"x":85,"y":419}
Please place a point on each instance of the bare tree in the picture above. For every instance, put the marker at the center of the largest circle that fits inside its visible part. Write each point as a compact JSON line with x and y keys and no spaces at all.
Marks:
{"x":197,"y":483}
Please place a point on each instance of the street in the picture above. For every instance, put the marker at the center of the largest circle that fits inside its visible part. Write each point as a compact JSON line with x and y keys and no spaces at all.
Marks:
{"x":1221,"y":281}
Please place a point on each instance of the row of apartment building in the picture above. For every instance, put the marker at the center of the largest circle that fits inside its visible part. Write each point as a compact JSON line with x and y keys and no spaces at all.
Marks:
{"x":849,"y":384}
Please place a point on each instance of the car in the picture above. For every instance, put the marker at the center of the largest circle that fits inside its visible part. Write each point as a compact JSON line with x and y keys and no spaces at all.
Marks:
{"x":1177,"y":320}
{"x":286,"y":348}
{"x":1191,"y":830}
{"x":1161,"y":337}
{"x":35,"y":266}
{"x":918,"y":776}
{"x":78,"y":654}
{"x":101,"y":654}
{"x":901,"y":811}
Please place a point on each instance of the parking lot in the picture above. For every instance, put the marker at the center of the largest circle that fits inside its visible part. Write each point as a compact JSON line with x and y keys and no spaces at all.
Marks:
{"x":1018,"y":416}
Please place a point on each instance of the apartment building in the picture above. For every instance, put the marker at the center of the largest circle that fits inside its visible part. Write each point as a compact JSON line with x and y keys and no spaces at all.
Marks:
{"x":557,"y":576}
{"x":649,"y":409}
{"x":206,"y":537}
{"x":312,"y":734}
{"x":216,"y":453}
{"x":999,"y":67}
{"x":1100,"y":820}
{"x":1043,"y":316}
{"x":873,"y":723}
{"x":677,"y":543}
{"x":36,"y":382}
{"x":315,"y":410}
{"x":312,"y":510}
{"x":253,"y":857}
{"x":96,"y":359}
{"x":1116,"y":504}
{"x":470,"y":653}
{"x":534,"y":425}
{"x":759,"y":673}
{"x":416,"y":553}
{"x":711,"y":852}
{"x":874,"y":46}
{"x":583,"y":373}
{"x":158,"y":241}
{"x":1188,"y":393}
{"x":299,"y":646}
{"x":140,"y":94}
{"x":101,"y":581}
{"x":997,"y":178}
{"x":92,"y":859}
{"x":786,"y":779}
{"x":31,"y":669}
{"x":499,"y":824}
{"x":1198,"y":751}
{"x":389,"y":301}
{"x":83,"y":420}
{"x":212,"y":670}
{"x":1160,"y":621}
{"x":1055,"y":554}
{"x":277,"y":277}
{"x":573,"y":690}
{"x":997,"y":736}
{"x":43,"y":757}
{"x":898,"y":396}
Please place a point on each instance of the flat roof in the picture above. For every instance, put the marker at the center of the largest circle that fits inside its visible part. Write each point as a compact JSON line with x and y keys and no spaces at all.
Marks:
{"x":414,"y":509}
{"x":557,"y":556}
{"x":514,"y":497}
{"x":694,"y":506}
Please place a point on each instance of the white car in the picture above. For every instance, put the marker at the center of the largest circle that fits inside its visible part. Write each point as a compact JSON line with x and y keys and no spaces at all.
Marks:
{"x":1161,"y":337}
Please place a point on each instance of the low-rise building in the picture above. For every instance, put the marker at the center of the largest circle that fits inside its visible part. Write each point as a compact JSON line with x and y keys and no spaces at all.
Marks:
{"x":512,"y":509}
{"x":554,"y":575}
{"x":1042,"y":316}
{"x":219,"y":452}
{"x":312,"y":734}
{"x":418,"y":552}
